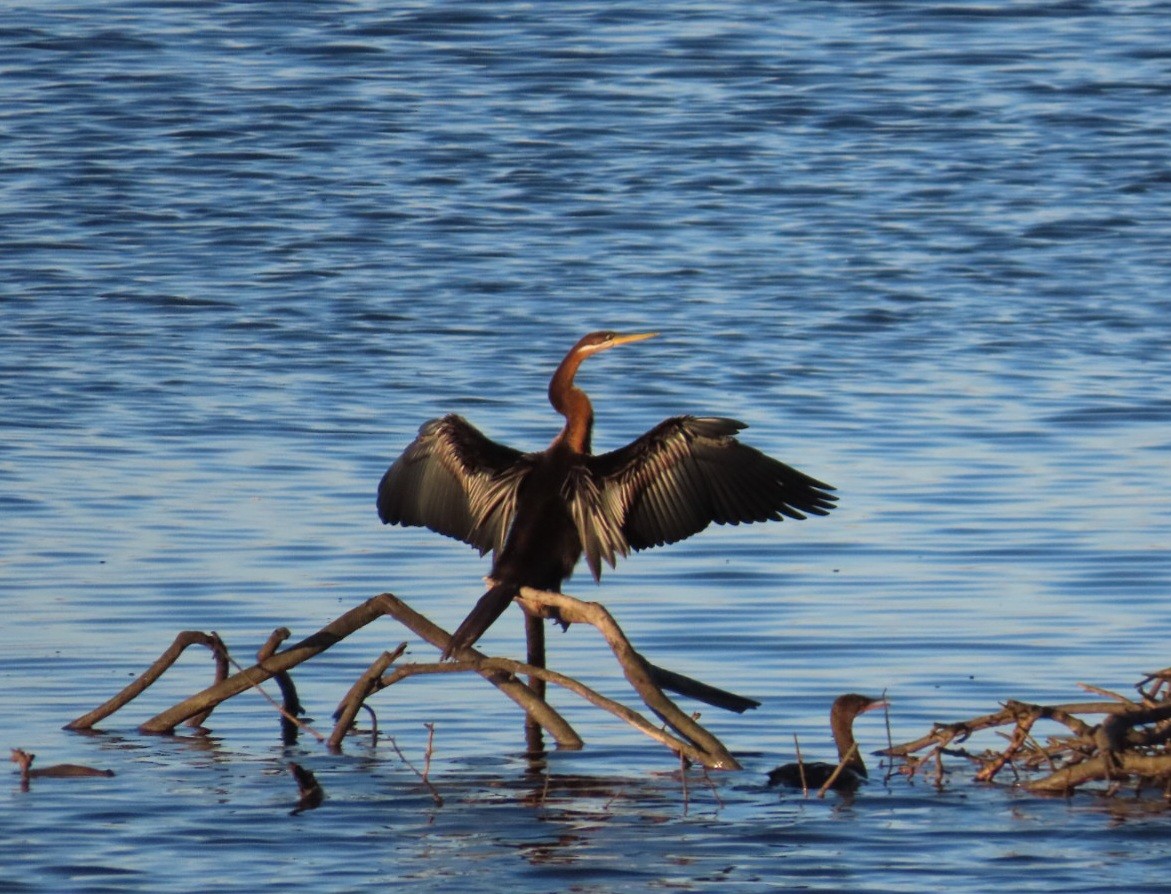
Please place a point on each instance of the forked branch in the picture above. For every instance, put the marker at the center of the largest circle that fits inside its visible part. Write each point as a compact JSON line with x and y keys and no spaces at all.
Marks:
{"x":684,"y":735}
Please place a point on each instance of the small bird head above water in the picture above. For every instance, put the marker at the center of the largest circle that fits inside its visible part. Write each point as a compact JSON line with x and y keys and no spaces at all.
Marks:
{"x":852,"y":704}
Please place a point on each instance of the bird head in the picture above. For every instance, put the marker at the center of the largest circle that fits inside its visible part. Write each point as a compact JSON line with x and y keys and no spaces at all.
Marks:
{"x":852,"y":704}
{"x":596,"y":342}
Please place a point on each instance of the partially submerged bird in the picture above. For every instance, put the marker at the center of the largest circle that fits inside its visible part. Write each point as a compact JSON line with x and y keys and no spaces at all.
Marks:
{"x":24,"y":761}
{"x":841,"y":721}
{"x":539,"y":512}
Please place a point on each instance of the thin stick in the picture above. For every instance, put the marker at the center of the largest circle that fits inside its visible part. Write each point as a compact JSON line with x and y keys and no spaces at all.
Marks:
{"x":800,"y":766}
{"x":281,"y":709}
{"x":833,"y":777}
{"x":430,"y":750}
{"x":435,"y":796}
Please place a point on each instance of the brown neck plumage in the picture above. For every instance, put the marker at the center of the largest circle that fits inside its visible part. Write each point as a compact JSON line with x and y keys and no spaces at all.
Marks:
{"x":572,"y":403}
{"x":842,"y":725}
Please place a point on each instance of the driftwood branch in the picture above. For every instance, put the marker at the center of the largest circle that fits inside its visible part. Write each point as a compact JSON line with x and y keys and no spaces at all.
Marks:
{"x":1128,"y":743}
{"x":515,"y":689}
{"x":291,"y":707}
{"x":683,"y":734}
{"x":156,"y":670}
{"x":681,"y":747}
{"x":328,"y":636}
{"x":635,"y":667}
{"x":363,"y":688}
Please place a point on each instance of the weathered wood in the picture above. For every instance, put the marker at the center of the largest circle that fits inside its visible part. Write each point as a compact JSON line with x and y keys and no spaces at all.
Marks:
{"x":686,"y":736}
{"x":363,"y":687}
{"x":515,"y":689}
{"x":1130,"y":743}
{"x":636,"y":670}
{"x":328,"y":636}
{"x":150,"y":675}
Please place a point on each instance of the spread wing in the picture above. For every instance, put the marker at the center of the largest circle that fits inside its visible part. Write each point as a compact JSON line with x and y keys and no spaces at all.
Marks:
{"x":678,"y":478}
{"x":455,"y":481}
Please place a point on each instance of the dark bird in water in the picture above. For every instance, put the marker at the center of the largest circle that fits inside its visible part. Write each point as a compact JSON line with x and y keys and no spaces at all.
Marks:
{"x":841,"y":721}
{"x":538,"y":512}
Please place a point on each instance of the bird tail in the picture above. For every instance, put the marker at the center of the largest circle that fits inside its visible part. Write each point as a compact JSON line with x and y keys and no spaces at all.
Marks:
{"x":490,"y":607}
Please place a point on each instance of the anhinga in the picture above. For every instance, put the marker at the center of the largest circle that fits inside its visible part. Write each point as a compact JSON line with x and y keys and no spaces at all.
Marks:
{"x":538,"y":512}
{"x":816,"y":774}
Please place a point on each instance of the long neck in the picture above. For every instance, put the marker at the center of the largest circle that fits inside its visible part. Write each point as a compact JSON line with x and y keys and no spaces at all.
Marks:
{"x":573,"y":404}
{"x":842,"y":724}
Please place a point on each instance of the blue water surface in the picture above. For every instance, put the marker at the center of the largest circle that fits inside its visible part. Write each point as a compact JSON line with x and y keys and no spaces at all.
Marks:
{"x":921,"y":249}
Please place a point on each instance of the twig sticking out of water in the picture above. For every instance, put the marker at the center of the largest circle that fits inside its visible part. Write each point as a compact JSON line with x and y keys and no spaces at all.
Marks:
{"x":425,"y":772}
{"x":801,"y":766}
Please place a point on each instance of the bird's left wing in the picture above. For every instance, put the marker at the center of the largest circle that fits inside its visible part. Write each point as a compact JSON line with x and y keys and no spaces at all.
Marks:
{"x":681,"y":476}
{"x":455,"y":481}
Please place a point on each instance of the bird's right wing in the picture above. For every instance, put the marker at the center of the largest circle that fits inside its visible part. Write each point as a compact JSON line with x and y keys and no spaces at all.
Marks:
{"x":455,"y":481}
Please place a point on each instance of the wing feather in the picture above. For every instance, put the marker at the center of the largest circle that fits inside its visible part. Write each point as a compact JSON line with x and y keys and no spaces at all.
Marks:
{"x":688,"y":472}
{"x":598,"y":520}
{"x":455,"y":481}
